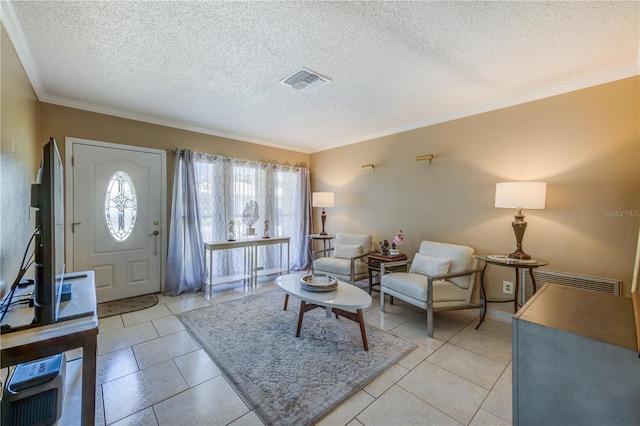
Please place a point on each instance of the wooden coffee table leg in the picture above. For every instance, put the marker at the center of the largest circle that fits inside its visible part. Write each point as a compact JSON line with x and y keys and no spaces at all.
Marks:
{"x":300,"y":315}
{"x":286,"y":302}
{"x":362,"y":330}
{"x":357,"y":317}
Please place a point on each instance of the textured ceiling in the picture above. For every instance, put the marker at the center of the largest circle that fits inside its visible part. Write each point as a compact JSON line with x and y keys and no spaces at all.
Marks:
{"x":215,"y":67}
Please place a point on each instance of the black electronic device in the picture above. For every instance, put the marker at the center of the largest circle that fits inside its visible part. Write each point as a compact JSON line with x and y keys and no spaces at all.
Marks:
{"x":48,"y":200}
{"x":34,"y":394}
{"x":25,"y":283}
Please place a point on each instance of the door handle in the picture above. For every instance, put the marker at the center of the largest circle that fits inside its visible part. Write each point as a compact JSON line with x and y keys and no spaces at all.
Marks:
{"x":73,"y":226}
{"x":155,"y":234}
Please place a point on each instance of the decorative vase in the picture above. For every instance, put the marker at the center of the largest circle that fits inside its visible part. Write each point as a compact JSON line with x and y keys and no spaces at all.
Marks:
{"x":384,"y":247}
{"x":394,"y":252}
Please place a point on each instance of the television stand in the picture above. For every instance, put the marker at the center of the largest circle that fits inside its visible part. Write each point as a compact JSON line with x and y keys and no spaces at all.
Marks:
{"x":72,"y":306}
{"x":81,"y":332}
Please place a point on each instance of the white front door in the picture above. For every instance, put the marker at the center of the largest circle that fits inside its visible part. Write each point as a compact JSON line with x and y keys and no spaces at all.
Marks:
{"x":117,"y":216}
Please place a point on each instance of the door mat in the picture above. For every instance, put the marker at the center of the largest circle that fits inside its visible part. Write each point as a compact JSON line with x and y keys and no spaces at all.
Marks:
{"x":291,"y":380}
{"x":122,"y":306}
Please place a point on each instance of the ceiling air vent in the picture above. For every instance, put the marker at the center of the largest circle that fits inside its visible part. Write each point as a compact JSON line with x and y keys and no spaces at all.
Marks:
{"x":305,"y":80}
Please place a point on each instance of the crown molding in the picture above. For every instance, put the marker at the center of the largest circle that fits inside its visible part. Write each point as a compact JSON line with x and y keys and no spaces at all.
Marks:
{"x":14,"y":30}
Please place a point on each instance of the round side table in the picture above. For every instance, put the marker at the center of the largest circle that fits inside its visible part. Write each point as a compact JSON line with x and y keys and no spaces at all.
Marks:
{"x":507,"y":263}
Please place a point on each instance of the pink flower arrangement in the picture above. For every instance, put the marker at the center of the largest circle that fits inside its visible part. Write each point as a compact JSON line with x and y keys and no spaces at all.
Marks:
{"x":398,"y":239}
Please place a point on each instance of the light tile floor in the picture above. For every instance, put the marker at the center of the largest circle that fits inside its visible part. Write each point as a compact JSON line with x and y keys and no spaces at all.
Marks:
{"x":151,"y":372}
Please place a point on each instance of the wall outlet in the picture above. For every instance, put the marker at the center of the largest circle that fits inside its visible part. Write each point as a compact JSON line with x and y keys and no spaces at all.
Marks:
{"x":507,"y":287}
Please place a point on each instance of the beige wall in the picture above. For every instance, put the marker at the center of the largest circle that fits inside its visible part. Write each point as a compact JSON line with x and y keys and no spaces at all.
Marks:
{"x":19,"y":157}
{"x":60,"y":122}
{"x":585,"y":145}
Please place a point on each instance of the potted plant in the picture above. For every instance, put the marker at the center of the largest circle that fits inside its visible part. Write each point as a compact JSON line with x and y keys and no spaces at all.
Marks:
{"x":397,"y":240}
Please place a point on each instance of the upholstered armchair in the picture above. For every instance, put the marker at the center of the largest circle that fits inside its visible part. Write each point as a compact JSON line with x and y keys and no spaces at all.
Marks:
{"x":441,"y":277}
{"x":346,"y":259}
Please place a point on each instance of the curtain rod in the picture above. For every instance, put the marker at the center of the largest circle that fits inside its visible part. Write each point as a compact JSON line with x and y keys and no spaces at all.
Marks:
{"x":175,"y":150}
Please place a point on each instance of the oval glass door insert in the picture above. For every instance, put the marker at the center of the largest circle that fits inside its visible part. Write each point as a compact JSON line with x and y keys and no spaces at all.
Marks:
{"x":120,"y":206}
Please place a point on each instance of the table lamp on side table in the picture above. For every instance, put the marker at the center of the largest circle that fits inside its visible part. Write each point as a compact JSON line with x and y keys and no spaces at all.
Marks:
{"x":519,"y":195}
{"x":323,"y":199}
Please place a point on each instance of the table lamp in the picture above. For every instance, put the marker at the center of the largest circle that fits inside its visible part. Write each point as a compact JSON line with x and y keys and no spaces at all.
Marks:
{"x":520,"y":195}
{"x":323,"y":199}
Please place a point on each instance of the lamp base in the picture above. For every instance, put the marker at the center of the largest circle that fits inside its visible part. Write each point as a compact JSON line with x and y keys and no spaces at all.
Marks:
{"x":324,"y":219}
{"x":519,"y":254}
{"x":519,"y":226}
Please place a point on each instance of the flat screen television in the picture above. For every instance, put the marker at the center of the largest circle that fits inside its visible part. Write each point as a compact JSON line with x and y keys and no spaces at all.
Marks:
{"x":47,"y":197}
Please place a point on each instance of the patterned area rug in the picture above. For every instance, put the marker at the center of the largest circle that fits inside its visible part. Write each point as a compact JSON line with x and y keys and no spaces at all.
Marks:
{"x":122,"y":306}
{"x":289,"y":380}
{"x":238,"y":283}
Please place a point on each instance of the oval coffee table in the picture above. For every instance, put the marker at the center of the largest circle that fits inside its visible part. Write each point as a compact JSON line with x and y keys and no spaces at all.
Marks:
{"x":341,"y":301}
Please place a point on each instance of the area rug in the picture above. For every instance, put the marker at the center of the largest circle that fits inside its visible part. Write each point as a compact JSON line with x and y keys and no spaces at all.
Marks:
{"x":228,"y":285}
{"x":291,"y":380}
{"x":122,"y":306}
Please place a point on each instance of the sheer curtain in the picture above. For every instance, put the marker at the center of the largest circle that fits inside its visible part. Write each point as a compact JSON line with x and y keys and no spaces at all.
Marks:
{"x":185,"y":273}
{"x":225,"y":186}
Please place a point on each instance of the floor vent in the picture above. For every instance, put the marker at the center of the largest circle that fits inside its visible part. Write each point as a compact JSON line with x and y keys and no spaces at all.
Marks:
{"x":305,"y":80}
{"x":543,"y":276}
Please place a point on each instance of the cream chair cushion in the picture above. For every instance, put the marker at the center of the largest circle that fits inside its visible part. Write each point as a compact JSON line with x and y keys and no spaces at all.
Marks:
{"x":415,"y":286}
{"x":347,"y":251}
{"x":427,"y":265}
{"x":339,"y":265}
{"x":461,"y":259}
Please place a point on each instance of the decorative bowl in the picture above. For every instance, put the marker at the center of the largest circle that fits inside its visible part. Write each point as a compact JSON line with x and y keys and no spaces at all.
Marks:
{"x":319,"y":281}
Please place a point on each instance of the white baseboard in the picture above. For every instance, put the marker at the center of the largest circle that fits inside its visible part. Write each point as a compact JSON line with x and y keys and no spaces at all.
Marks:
{"x":499,"y":315}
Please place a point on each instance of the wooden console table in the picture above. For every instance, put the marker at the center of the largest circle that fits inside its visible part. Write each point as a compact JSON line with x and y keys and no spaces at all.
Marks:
{"x":40,"y":342}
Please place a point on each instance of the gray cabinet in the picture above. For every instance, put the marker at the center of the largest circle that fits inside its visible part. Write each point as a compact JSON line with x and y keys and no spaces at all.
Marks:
{"x":575,"y":360}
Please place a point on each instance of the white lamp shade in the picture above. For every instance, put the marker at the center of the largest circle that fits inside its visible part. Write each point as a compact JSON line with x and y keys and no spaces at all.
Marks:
{"x":524,"y":195}
{"x":322,"y":199}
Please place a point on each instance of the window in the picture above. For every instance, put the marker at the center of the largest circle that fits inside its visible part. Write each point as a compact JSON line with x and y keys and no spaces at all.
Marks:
{"x":120,"y":206}
{"x":226,"y":186}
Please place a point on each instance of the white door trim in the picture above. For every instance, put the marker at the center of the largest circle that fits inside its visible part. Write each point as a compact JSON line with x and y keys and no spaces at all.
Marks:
{"x":68,"y":177}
